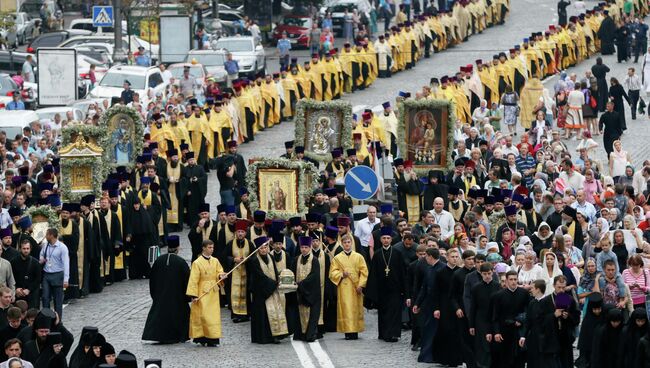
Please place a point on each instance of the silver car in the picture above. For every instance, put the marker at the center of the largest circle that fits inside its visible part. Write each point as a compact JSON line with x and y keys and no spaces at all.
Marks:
{"x":248,"y":52}
{"x":212,"y":60}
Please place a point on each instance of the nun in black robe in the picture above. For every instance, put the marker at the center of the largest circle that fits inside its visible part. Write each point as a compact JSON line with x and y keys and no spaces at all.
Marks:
{"x":142,"y":234}
{"x":636,"y":328}
{"x":606,"y":34}
{"x":434,"y":189}
{"x":594,"y":318}
{"x":605,"y":352}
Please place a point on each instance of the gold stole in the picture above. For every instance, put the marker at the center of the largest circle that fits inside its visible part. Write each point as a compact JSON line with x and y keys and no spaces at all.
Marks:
{"x":302,"y":271}
{"x":243,"y":211}
{"x":321,"y":263}
{"x":108,"y":219}
{"x":275,"y":304}
{"x":146,"y":201}
{"x":413,"y":207}
{"x":119,"y":259}
{"x":175,"y":173}
{"x":205,"y":232}
{"x":80,"y":252}
{"x":332,"y":253}
{"x":281,"y":265}
{"x":238,"y":280}
{"x":230,"y":235}
{"x":340,"y":172}
{"x":254,"y":235}
{"x":14,"y":229}
{"x":571,"y":229}
{"x":456,"y":213}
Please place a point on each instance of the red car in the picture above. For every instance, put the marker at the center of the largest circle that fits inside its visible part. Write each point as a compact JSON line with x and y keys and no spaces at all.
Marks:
{"x":297,"y":28}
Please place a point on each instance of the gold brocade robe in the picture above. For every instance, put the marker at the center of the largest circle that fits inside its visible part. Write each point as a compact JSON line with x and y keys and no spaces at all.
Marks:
{"x":349,"y":308}
{"x":238,"y":277}
{"x":218,"y":121}
{"x":173,"y":178}
{"x":198,"y":128}
{"x":162,"y":135}
{"x":290,"y":88}
{"x":388,"y":125}
{"x":179,"y":134}
{"x":271,"y":104}
{"x":315,"y":74}
{"x":275,"y":304}
{"x":205,"y":314}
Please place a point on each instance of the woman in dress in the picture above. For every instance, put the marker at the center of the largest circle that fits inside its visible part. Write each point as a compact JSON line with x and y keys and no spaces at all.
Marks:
{"x":617,"y":94}
{"x":562,"y":108}
{"x":575,"y":121}
{"x":510,"y":101}
{"x":618,"y":160}
{"x":529,"y":271}
{"x":348,"y":26}
{"x":588,"y":113}
{"x":550,"y":269}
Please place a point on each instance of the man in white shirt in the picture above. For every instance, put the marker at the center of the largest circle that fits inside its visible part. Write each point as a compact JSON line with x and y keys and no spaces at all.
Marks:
{"x":166,"y":74}
{"x":633,"y":84}
{"x":640,"y":178}
{"x":584,"y":207}
{"x":509,"y":148}
{"x":28,"y":70}
{"x":442,"y":218}
{"x":572,"y":179}
{"x":363,"y":228}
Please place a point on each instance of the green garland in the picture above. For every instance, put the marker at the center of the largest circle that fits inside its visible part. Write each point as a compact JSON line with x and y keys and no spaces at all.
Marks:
{"x":45,"y":211}
{"x":100,"y":172}
{"x":97,"y":132}
{"x":307,"y":182}
{"x":305,"y":105}
{"x":138,"y":133}
{"x":426,"y":105}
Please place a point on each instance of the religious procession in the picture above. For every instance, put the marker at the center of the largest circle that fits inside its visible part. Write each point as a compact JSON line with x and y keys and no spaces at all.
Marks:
{"x":477,"y":246}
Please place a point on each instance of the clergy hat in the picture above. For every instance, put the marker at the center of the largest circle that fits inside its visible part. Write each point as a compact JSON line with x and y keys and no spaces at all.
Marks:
{"x":221,"y":208}
{"x":459,"y":162}
{"x":454,"y":190}
{"x":232,"y":144}
{"x":153,"y":145}
{"x":351,"y":152}
{"x":172,"y":152}
{"x":154,"y":186}
{"x":173,"y":241}
{"x":231,"y":209}
{"x":6,"y":232}
{"x":336,"y":153}
{"x":277,"y":225}
{"x":259,"y":216}
{"x":570,"y":211}
{"x":15,"y":211}
{"x":470,"y":163}
{"x":189,"y":155}
{"x":510,"y":210}
{"x":489,"y":200}
{"x":243,"y":191}
{"x":444,"y":79}
{"x":330,"y":192}
{"x":402,"y":94}
{"x":516,"y":197}
{"x":260,"y":241}
{"x":54,"y":200}
{"x":145,"y":180}
{"x":110,"y":184}
{"x":386,"y":208}
{"x":277,"y":236}
{"x":295,"y":221}
{"x":527,"y":204}
{"x":386,"y":105}
{"x":54,"y":338}
{"x":343,"y":221}
{"x":184,"y":146}
{"x":331,"y":232}
{"x":45,"y":186}
{"x":387,"y":231}
{"x":481,"y":193}
{"x":126,"y":359}
{"x":25,"y":223}
{"x":356,"y":136}
{"x":472,"y":193}
{"x":506,"y":193}
{"x":140,"y":159}
{"x":288,"y":144}
{"x":204,"y":207}
{"x":87,"y":200}
{"x":17,"y":180}
{"x":398,"y":162}
{"x":305,"y":241}
{"x":241,"y":224}
{"x":300,"y":149}
{"x":23,"y":170}
{"x":313,"y":217}
{"x":48,"y":169}
{"x":366,"y":116}
{"x":44,"y":319}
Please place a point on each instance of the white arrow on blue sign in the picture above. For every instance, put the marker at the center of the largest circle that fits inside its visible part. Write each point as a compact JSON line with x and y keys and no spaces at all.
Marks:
{"x":361,"y":183}
{"x":103,"y":16}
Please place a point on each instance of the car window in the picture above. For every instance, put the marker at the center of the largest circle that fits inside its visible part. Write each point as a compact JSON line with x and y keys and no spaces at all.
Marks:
{"x":206,"y":59}
{"x":235,"y":45}
{"x":155,"y":79}
{"x":48,"y":40}
{"x":195,"y":71}
{"x":6,"y":85}
{"x":228,"y":16}
{"x":298,"y":22}
{"x":84,"y":26}
{"x":116,"y":78}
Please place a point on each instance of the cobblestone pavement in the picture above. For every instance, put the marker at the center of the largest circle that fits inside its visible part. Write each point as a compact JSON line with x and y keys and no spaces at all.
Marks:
{"x":120,"y":311}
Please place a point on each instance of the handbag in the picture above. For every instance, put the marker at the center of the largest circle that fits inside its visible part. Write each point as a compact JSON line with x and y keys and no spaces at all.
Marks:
{"x":592,"y":102}
{"x":642,"y":106}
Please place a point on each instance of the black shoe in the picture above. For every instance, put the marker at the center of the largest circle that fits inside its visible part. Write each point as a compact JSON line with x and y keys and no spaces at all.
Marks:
{"x":415,"y":348}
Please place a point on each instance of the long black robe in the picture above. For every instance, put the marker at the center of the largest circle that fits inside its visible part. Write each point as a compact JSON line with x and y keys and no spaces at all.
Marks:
{"x":508,"y":308}
{"x":612,"y":123}
{"x":600,"y":72}
{"x":606,"y":34}
{"x":387,"y":291}
{"x":93,"y":251}
{"x":431,"y":192}
{"x":196,"y":190}
{"x":589,"y":324}
{"x":143,"y":235}
{"x":18,"y":238}
{"x":480,"y":318}
{"x":621,"y":43}
{"x":7,"y":333}
{"x":456,"y":292}
{"x":617,"y":93}
{"x":72,"y":242}
{"x":447,"y":338}
{"x":9,"y":253}
{"x":331,"y":295}
{"x":532,"y":331}
{"x":556,"y":338}
{"x":169,"y":317}
{"x":605,"y":351}
{"x":27,"y":273}
{"x":632,"y":334}
{"x":196,"y":240}
{"x":404,"y":188}
{"x":111,"y":241}
{"x":307,"y":294}
{"x":262,"y":287}
{"x":425,"y":301}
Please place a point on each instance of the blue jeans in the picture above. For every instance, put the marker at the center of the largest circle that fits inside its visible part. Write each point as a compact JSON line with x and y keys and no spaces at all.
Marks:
{"x":53,"y":288}
{"x":314,"y":49}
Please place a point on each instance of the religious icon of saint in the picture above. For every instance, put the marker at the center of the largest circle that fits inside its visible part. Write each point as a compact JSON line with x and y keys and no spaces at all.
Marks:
{"x":277,"y":197}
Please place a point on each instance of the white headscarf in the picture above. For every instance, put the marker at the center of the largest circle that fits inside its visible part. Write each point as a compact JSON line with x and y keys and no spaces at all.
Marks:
{"x":545,"y":275}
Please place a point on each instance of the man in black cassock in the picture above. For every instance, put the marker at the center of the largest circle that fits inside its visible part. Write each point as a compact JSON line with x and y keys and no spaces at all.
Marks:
{"x":240,"y":165}
{"x":480,"y":315}
{"x":414,"y":276}
{"x":606,"y":34}
{"x":387,"y":287}
{"x":561,"y":12}
{"x":423,"y":305}
{"x":307,"y":272}
{"x":447,"y":338}
{"x":196,"y":182}
{"x":89,"y":222}
{"x":27,"y":273}
{"x":456,"y":291}
{"x":110,"y":235}
{"x":69,"y":235}
{"x":532,"y":329}
{"x":140,"y":235}
{"x":169,"y":317}
{"x":612,"y":124}
{"x":558,"y":320}
{"x":205,"y":228}
{"x":509,"y":306}
{"x":263,"y":287}
{"x":25,"y":226}
{"x":9,"y":252}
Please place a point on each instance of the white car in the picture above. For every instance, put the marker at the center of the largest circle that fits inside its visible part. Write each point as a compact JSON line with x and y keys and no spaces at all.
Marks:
{"x":108,"y":39}
{"x":13,"y":121}
{"x":87,"y":24}
{"x":248,"y":52}
{"x":21,"y":30}
{"x":141,"y":78}
{"x":46,"y":115}
{"x":212,"y":60}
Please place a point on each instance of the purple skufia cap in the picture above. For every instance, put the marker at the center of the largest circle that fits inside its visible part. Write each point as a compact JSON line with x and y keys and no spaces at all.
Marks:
{"x":562,"y":301}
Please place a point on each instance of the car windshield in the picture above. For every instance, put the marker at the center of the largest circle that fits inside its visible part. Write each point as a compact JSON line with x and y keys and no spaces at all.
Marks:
{"x":235,"y":45}
{"x":50,"y":115}
{"x":207,"y":59}
{"x":116,"y":79}
{"x":341,"y":8}
{"x":195,"y":71}
{"x":12,"y":131}
{"x":6,"y":85}
{"x":94,"y":55}
{"x":298,"y":22}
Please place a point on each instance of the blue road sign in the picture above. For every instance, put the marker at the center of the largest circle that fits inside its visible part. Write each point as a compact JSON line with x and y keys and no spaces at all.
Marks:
{"x":103,"y":16}
{"x":361,"y":182}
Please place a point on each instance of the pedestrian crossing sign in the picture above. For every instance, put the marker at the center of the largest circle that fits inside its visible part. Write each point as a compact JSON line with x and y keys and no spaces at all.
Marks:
{"x":102,"y":16}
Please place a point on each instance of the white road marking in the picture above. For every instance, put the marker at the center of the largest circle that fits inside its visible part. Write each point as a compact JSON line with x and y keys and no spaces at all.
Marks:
{"x":320,"y":354}
{"x":303,"y":354}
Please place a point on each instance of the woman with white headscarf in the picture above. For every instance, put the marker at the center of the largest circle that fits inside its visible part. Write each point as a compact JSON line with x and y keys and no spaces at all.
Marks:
{"x":481,"y":114}
{"x":550,"y":269}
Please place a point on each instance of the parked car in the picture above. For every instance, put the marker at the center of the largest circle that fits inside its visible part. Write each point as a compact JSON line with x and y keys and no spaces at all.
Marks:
{"x":13,"y":121}
{"x":212,"y":60}
{"x":297,"y":28}
{"x":337,"y":9}
{"x":83,"y":72}
{"x":108,"y":39}
{"x":197,"y":70}
{"x":46,"y":115}
{"x":8,"y":87}
{"x":21,"y":30}
{"x":141,"y":78}
{"x":99,"y":51}
{"x":87,"y":24}
{"x":11,"y":62}
{"x":54,"y":39}
{"x":33,"y":8}
{"x":248,"y":52}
